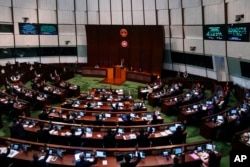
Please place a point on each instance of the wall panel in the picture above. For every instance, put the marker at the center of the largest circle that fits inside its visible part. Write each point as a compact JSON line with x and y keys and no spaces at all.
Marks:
{"x":81,"y":5}
{"x":212,"y":47}
{"x":5,"y":14}
{"x":177,"y":44}
{"x":192,"y":16}
{"x":116,"y":5}
{"x":193,"y":32}
{"x":150,"y":17}
{"x":176,"y":31}
{"x":239,"y":50}
{"x":127,"y":18}
{"x":104,"y":5}
{"x":81,"y":17}
{"x":26,"y":40}
{"x":66,"y":29}
{"x":137,"y":5}
{"x":105,"y":17}
{"x":65,"y":5}
{"x":92,"y":5}
{"x":93,"y":17}
{"x":138,"y":17}
{"x":116,"y":17}
{"x":197,"y":43}
{"x":66,"y":17}
{"x":6,"y":40}
{"x":19,"y":13}
{"x":214,"y":14}
{"x":46,"y":40}
{"x":212,"y":2}
{"x":149,"y":5}
{"x":63,"y":38}
{"x":6,"y":3}
{"x":191,"y":3}
{"x":161,"y":4}
{"x":176,"y":16}
{"x":175,"y":4}
{"x":163,"y":17}
{"x":43,"y":16}
{"x":238,"y":8}
{"x":28,"y":4}
{"x":47,"y":4}
{"x":80,"y":30}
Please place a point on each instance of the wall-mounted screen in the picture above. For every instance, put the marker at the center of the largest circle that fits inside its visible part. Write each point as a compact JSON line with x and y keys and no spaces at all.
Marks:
{"x":238,"y":32}
{"x":28,"y":29}
{"x":48,"y":29}
{"x":6,"y":28}
{"x":244,"y":67}
{"x":214,"y":32}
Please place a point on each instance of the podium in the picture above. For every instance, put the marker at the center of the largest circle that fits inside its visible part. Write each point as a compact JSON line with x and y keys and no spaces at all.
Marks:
{"x":117,"y":72}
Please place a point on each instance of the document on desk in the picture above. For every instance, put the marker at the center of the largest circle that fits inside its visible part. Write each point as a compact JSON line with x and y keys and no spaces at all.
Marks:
{"x":12,"y":153}
{"x":104,"y":162}
{"x":194,"y":156}
{"x":3,"y":149}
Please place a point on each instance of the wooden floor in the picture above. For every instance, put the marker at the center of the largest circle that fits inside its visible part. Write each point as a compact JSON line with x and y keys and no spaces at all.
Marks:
{"x":114,"y":81}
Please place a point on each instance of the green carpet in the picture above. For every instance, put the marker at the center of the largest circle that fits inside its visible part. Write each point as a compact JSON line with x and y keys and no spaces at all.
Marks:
{"x":87,"y":83}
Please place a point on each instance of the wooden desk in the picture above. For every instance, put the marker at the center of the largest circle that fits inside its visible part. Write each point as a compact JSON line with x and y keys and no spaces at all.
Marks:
{"x":154,"y":155}
{"x":138,"y":76}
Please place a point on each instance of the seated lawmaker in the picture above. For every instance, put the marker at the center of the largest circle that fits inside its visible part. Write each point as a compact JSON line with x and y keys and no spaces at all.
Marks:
{"x":43,"y":135}
{"x":86,"y":163}
{"x":142,"y":138}
{"x":39,"y":162}
{"x":133,"y":163}
{"x":109,"y":140}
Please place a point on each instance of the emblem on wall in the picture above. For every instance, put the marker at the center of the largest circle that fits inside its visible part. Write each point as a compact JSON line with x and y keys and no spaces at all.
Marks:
{"x":124,"y":43}
{"x":123,"y":32}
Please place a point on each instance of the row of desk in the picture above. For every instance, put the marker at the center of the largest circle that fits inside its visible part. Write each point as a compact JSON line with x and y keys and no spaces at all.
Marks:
{"x":154,"y":155}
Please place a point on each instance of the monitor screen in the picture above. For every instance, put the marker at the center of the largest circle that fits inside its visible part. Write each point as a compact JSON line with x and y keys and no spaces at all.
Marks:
{"x":172,"y":128}
{"x":121,"y":131}
{"x":101,"y":154}
{"x":165,"y":153}
{"x":81,"y":113}
{"x":107,"y":115}
{"x":195,"y":106}
{"x":199,"y":149}
{"x":28,"y":29}
{"x":99,"y":103}
{"x":142,"y":154}
{"x":88,"y":155}
{"x":59,"y":153}
{"x":120,"y":104}
{"x":238,"y":32}
{"x":15,"y":146}
{"x":178,"y":151}
{"x":88,"y":130}
{"x":48,"y":29}
{"x":233,"y":112}
{"x":132,"y":115}
{"x":149,"y":116}
{"x":219,"y":117}
{"x":210,"y":147}
{"x":151,"y":129}
{"x":50,"y":151}
{"x":214,"y":32}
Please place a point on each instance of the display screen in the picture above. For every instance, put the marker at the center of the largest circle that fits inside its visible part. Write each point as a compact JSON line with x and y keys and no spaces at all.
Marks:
{"x":244,"y":67}
{"x":238,"y":32}
{"x":214,"y":32}
{"x":48,"y":29}
{"x":28,"y":29}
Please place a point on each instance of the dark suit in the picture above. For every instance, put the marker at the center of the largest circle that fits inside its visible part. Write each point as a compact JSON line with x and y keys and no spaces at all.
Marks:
{"x":131,"y":163}
{"x":109,"y":140}
{"x":43,"y":135}
{"x":17,"y":131}
{"x":85,"y":163}
{"x":39,"y":162}
{"x":5,"y":161}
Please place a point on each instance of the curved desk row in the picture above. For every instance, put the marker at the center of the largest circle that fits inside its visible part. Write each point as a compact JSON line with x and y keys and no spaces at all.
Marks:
{"x":153,"y":155}
{"x":103,"y":117}
{"x":160,"y":134}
